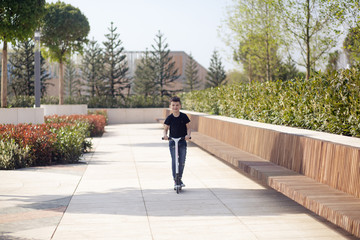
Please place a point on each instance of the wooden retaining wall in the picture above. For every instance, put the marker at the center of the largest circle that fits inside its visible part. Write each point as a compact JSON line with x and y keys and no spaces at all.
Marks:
{"x":327,"y":158}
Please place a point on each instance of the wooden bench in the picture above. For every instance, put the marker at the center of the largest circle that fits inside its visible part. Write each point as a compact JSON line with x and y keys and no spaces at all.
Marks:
{"x":337,"y":207}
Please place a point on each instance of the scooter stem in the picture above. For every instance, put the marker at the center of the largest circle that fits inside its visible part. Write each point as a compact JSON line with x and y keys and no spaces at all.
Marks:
{"x":176,"y":140}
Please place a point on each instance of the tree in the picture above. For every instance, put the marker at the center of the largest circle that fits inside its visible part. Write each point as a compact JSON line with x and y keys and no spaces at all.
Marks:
{"x":191,"y":74}
{"x":216,"y":75}
{"x":18,"y":21}
{"x":352,"y":46}
{"x":23,"y":73}
{"x":235,"y":76}
{"x":114,"y":65}
{"x":333,"y":60}
{"x":144,"y":83}
{"x":64,"y":32}
{"x":313,"y":25}
{"x":72,"y":79}
{"x":288,"y":70}
{"x":91,"y":67}
{"x":352,"y":12}
{"x":255,"y":37}
{"x":163,"y":66}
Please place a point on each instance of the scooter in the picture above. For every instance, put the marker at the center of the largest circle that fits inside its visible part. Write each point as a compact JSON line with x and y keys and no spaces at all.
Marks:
{"x":177,"y":186}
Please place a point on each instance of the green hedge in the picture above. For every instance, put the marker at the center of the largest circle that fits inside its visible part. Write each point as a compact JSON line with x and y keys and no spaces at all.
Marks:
{"x":133,"y":101}
{"x":327,"y":102}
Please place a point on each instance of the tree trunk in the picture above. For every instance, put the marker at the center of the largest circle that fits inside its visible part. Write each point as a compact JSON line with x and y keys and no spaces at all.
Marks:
{"x":250,"y":73}
{"x":61,"y":83}
{"x":268,"y":76}
{"x":308,"y":64}
{"x":4,"y":76}
{"x":268,"y":68}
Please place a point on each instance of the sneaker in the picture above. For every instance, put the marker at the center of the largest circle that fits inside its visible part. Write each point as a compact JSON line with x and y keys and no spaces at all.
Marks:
{"x":182,"y":184}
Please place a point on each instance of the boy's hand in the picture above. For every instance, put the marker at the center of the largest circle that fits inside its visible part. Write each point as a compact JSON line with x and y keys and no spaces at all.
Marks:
{"x":187,"y":137}
{"x":166,"y":137}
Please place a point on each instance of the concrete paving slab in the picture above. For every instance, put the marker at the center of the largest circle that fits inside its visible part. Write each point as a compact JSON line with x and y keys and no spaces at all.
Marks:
{"x":124,"y":191}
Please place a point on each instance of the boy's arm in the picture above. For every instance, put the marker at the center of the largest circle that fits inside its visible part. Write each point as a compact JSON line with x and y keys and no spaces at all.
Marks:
{"x":188,"y":131}
{"x":166,"y":129}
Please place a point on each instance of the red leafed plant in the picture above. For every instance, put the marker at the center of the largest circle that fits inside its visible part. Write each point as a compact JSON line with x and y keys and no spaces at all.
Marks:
{"x":61,"y":139}
{"x":38,"y":138}
{"x":97,"y":122}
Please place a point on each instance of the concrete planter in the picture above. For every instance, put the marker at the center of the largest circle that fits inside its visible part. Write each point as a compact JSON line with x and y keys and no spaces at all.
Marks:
{"x":64,"y":109}
{"x":21,"y":115}
{"x":133,"y":115}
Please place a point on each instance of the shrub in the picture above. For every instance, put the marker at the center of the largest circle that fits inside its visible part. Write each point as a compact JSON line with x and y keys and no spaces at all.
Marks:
{"x":139,"y":101}
{"x":25,"y":145}
{"x":104,"y":102}
{"x":12,"y":155}
{"x":327,"y":102}
{"x":37,"y":138}
{"x":21,"y":101}
{"x":70,"y":141}
{"x":76,"y":100}
{"x":96,"y":127}
{"x":131,"y":101}
{"x":50,"y":100}
{"x":102,"y":112}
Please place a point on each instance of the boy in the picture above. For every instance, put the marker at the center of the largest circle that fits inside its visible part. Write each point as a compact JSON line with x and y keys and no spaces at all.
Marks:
{"x":179,"y":125}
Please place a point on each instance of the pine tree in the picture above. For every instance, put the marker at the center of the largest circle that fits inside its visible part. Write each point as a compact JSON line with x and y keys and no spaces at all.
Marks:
{"x":91,"y":68}
{"x":163,"y":66}
{"x":115,"y":65}
{"x":288,"y":70}
{"x":44,"y":76}
{"x":23,"y":72}
{"x":191,"y":74}
{"x":72,"y":80}
{"x":216,"y":75}
{"x":144,"y":83}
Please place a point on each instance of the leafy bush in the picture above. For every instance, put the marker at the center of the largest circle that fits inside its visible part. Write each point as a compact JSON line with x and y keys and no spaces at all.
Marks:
{"x":104,"y":102}
{"x":50,"y":100}
{"x":71,"y":142}
{"x":37,"y":138}
{"x":327,"y":102}
{"x":60,"y":140}
{"x":12,"y":155}
{"x":21,"y":101}
{"x":132,"y":101}
{"x":102,"y":112}
{"x":139,"y":101}
{"x":96,"y":123}
{"x":76,"y":100}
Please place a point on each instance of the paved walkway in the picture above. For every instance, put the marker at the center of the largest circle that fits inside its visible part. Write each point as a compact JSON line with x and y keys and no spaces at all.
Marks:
{"x":124,"y":191}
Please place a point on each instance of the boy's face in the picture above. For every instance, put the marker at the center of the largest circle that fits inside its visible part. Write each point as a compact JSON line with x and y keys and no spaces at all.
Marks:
{"x":175,"y":106}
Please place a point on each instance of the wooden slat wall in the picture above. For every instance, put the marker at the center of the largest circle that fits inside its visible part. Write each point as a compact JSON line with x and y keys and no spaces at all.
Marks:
{"x":330,"y":163}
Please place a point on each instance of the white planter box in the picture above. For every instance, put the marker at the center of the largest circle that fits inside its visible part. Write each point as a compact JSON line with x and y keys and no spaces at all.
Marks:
{"x":132,"y":115}
{"x":80,"y":109}
{"x":21,"y":115}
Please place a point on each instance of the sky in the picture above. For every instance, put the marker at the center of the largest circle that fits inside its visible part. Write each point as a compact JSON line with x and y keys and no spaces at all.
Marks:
{"x":188,"y":25}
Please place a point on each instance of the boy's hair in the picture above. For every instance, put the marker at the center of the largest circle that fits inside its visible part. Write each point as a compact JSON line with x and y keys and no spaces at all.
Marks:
{"x":175,"y":99}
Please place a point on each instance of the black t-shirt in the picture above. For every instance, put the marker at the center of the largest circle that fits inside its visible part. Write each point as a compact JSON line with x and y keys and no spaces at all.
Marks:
{"x":177,"y":125}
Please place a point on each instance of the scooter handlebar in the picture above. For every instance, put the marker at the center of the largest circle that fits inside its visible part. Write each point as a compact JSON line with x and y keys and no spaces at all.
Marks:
{"x":182,"y":138}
